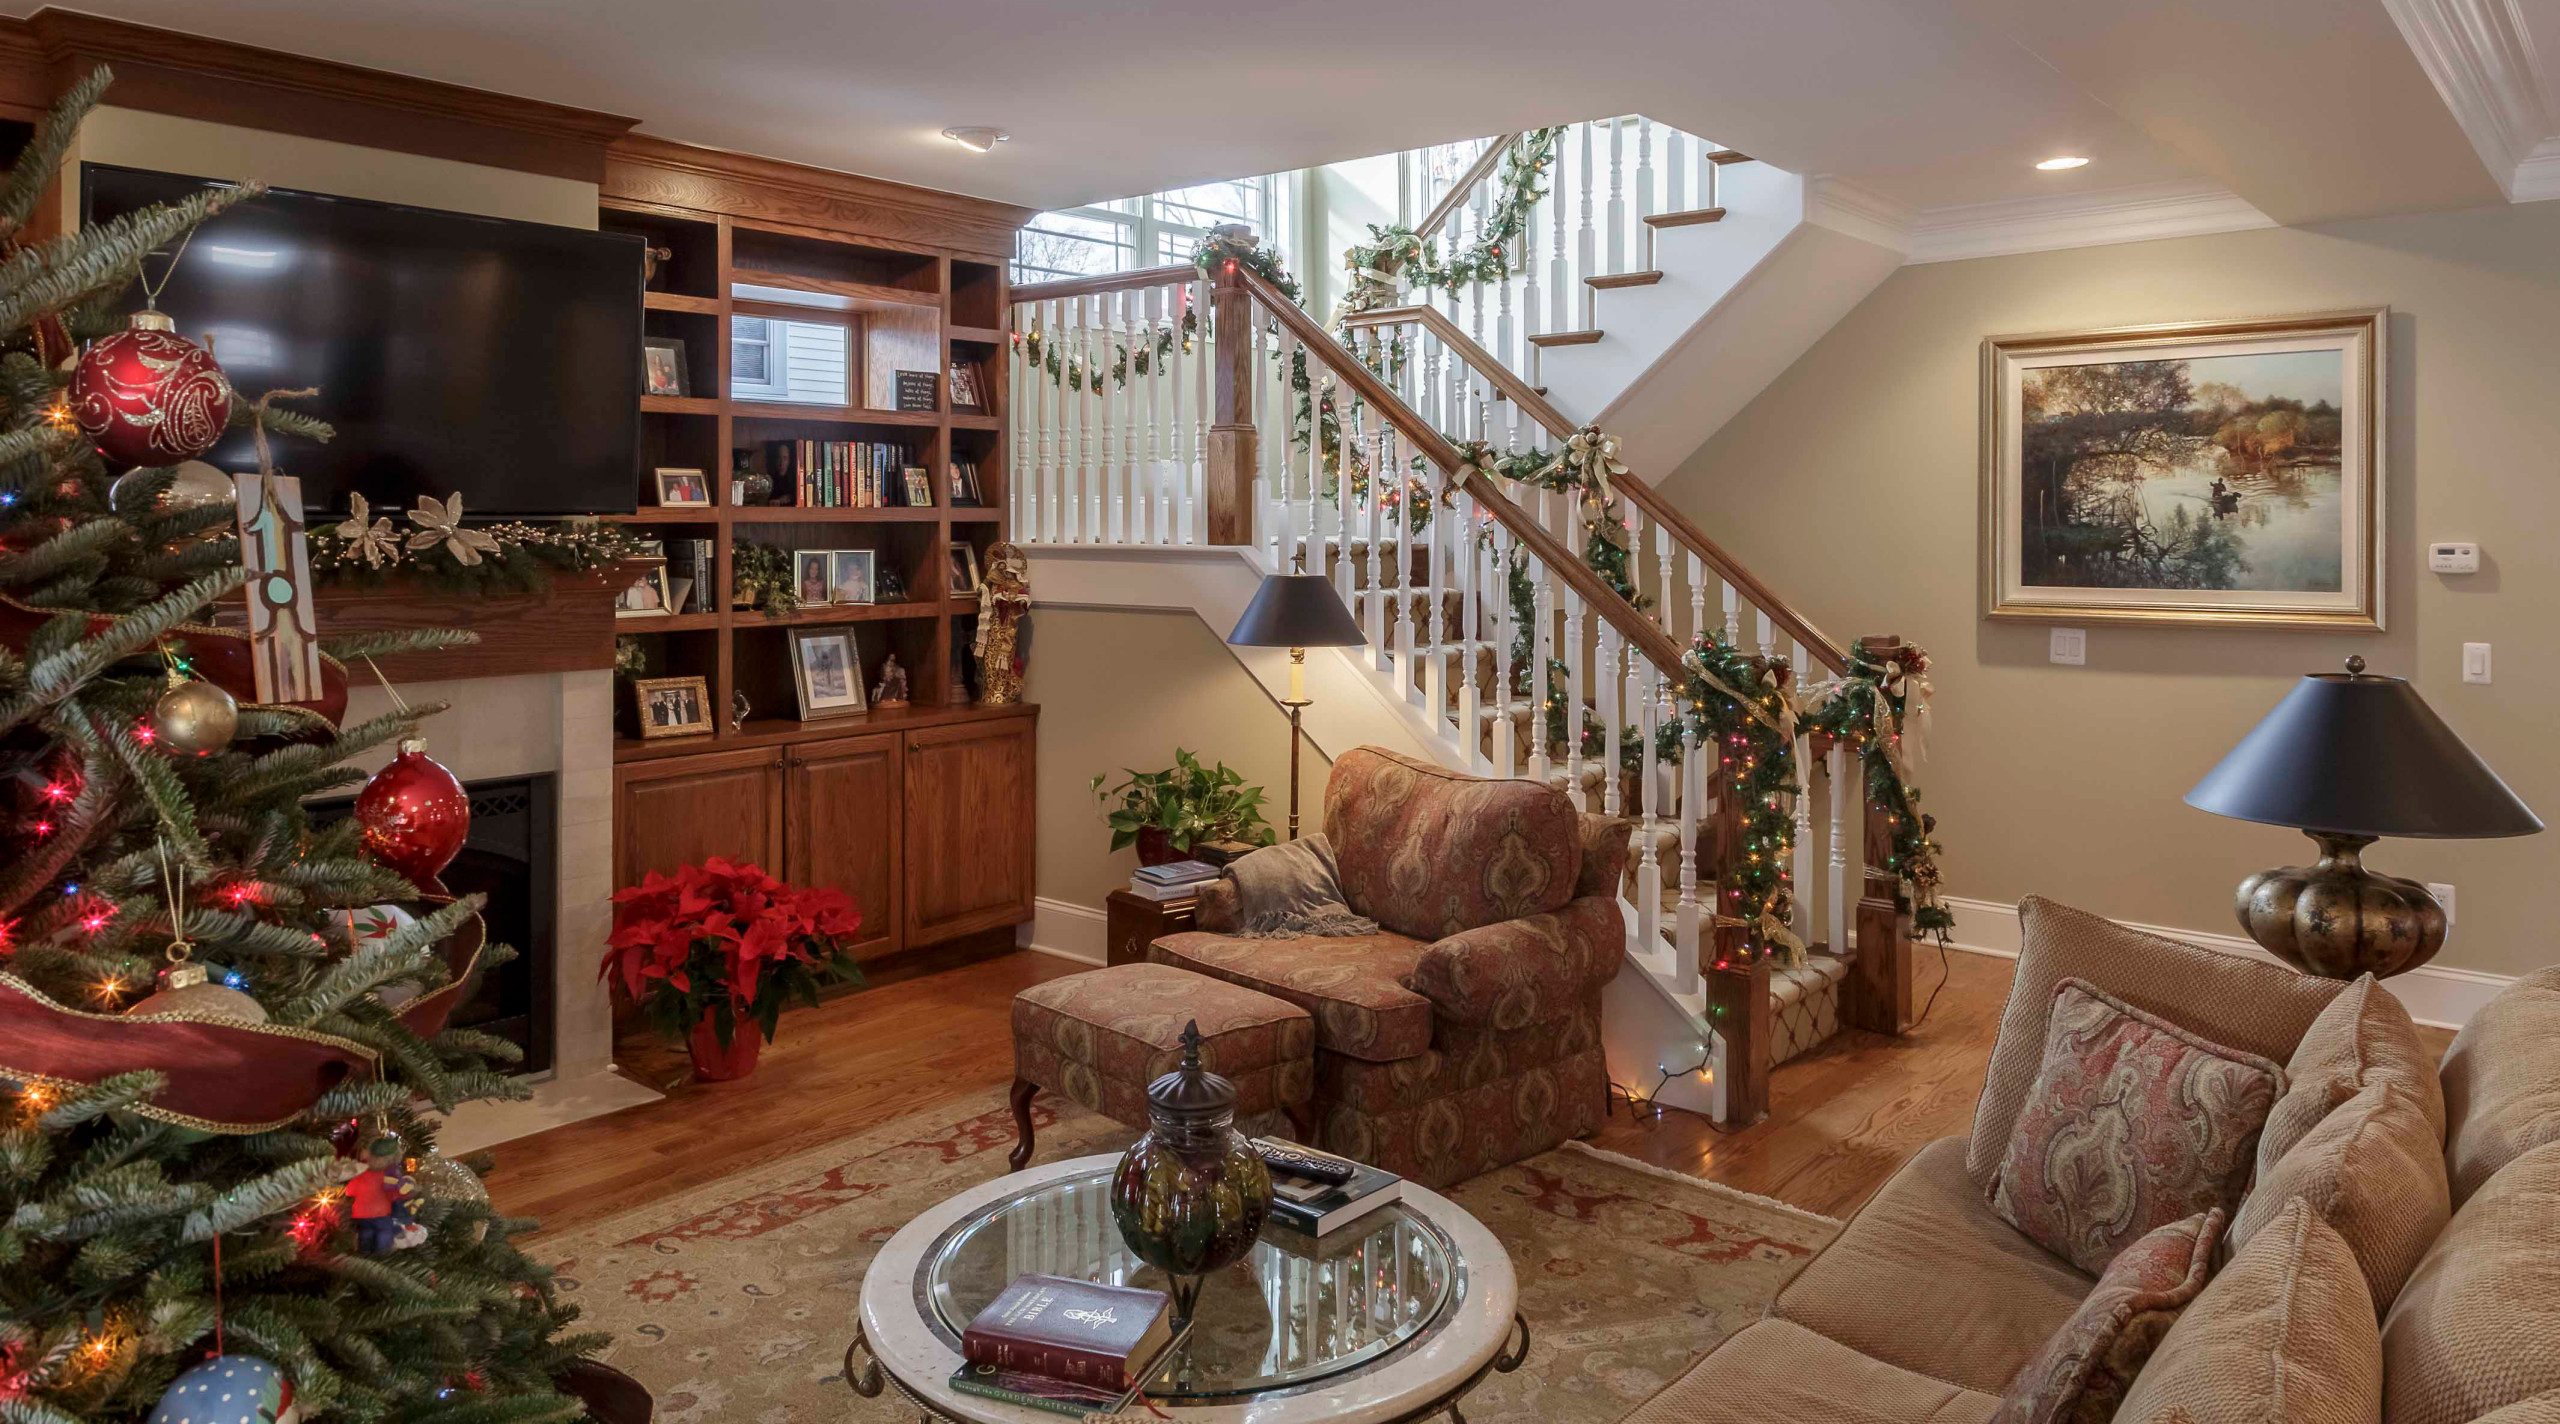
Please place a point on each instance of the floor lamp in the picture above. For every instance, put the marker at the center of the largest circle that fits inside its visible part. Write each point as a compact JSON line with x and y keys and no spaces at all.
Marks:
{"x":1297,"y":612}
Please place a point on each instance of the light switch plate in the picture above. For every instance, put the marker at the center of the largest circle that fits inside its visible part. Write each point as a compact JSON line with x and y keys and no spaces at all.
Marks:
{"x":2071,"y":646}
{"x":2444,"y":898}
{"x":2454,"y":558}
{"x":2475,"y":662}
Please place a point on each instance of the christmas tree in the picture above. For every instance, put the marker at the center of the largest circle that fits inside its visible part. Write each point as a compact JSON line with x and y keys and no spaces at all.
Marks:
{"x":137,"y":1241}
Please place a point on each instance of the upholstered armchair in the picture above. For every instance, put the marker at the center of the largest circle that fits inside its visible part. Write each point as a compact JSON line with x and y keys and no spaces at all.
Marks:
{"x":1465,"y":1034}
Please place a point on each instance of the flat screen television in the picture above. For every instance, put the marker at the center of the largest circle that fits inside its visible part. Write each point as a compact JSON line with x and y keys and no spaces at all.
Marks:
{"x":452,"y":353}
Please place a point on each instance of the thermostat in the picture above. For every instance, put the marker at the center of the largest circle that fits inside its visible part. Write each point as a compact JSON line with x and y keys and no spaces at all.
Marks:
{"x":2454,"y":558}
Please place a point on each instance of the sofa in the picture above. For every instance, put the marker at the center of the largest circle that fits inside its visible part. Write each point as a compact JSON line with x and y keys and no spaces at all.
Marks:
{"x":2394,"y":1255}
{"x":1465,"y":1034}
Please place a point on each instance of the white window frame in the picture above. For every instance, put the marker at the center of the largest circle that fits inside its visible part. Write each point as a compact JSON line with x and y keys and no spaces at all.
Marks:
{"x":777,"y":361}
{"x":1145,"y":229}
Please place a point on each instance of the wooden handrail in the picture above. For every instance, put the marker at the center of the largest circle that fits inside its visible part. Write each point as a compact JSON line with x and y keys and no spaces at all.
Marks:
{"x":1641,"y":633}
{"x":1139,"y":280}
{"x":1644,"y":496}
{"x":1476,"y":173}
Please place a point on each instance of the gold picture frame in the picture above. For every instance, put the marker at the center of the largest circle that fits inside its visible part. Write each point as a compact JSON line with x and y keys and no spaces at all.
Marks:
{"x":672,"y":706}
{"x":2201,"y":473}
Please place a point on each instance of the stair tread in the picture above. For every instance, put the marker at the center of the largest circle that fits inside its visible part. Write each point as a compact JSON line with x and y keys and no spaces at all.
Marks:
{"x":1608,"y":281}
{"x":1730,"y":155}
{"x":1690,"y":218}
{"x":1565,"y":338}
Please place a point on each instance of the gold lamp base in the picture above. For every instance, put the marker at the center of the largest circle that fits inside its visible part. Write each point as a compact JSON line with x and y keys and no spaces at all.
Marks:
{"x":2337,"y":919}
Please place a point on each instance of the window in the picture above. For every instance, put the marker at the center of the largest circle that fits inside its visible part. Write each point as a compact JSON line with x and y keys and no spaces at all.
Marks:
{"x":802,"y":362}
{"x":1152,"y":231}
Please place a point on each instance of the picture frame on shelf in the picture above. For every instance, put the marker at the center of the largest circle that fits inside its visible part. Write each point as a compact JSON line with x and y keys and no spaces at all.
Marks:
{"x":964,"y":568}
{"x":681,"y":487}
{"x":852,"y":576}
{"x":826,"y":672}
{"x":965,"y":393}
{"x":919,"y":391}
{"x":810,"y":575}
{"x":919,"y":487}
{"x":964,"y":485}
{"x":672,"y":706}
{"x":647,"y":595}
{"x":662,"y":363}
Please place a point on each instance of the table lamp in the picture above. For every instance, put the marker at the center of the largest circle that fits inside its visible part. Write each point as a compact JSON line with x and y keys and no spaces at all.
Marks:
{"x":2348,"y":758}
{"x":1296,"y":611}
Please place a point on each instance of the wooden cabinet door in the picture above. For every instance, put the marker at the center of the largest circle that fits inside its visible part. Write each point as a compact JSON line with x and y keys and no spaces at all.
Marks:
{"x":968,"y":814}
{"x":685,"y":810}
{"x":840,"y":819}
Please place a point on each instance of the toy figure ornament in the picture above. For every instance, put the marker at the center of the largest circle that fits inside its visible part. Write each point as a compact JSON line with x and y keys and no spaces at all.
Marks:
{"x":1004,"y":602}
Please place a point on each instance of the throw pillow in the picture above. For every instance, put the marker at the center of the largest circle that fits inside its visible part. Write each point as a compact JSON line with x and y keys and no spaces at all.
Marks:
{"x":2499,"y":1090}
{"x":2284,"y":1335}
{"x":2084,"y":1371}
{"x":2374,"y":1170}
{"x":2364,"y":1034}
{"x":2478,"y":1328}
{"x":2133,"y":1123}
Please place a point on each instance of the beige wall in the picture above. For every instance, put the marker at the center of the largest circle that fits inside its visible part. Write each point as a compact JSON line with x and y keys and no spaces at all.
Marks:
{"x":1123,"y":689}
{"x":1851,"y":485}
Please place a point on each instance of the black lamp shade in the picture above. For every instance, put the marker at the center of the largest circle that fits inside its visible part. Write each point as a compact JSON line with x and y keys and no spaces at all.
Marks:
{"x":1296,"y":611}
{"x":2354,"y":755}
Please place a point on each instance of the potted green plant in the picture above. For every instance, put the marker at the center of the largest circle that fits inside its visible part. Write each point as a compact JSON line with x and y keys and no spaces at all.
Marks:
{"x":1165,"y":813}
{"x":760,"y":577}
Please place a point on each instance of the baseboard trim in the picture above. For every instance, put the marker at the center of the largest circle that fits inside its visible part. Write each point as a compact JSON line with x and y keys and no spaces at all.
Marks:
{"x":1068,"y":930}
{"x":2434,"y":994}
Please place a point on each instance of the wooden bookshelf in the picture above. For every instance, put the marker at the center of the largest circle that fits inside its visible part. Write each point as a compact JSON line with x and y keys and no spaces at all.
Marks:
{"x":900,"y":303}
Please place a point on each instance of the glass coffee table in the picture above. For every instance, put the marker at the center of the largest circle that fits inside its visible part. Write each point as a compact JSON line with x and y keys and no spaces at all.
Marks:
{"x":1394,"y":1317}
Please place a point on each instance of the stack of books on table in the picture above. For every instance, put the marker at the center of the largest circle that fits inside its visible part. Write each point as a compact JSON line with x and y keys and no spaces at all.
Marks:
{"x":1178,"y":881}
{"x":1064,"y":1345}
{"x":1314,"y":1193}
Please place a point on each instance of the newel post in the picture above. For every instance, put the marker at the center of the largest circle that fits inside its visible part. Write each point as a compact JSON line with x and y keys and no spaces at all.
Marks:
{"x":1234,"y":451}
{"x":1877,"y":995}
{"x":1737,"y":982}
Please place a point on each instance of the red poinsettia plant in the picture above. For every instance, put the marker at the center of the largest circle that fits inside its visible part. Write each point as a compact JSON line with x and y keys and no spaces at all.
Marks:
{"x":722,"y":941}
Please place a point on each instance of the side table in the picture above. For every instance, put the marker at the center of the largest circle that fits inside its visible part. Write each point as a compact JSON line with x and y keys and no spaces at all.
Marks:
{"x":1132,"y":922}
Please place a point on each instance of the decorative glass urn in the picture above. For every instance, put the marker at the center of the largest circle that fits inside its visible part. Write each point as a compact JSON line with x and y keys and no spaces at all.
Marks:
{"x":1191,"y":1195}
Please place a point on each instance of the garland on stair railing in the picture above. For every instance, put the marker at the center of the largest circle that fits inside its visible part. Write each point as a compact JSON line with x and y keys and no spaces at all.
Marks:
{"x":1396,"y":251}
{"x":1126,"y":361}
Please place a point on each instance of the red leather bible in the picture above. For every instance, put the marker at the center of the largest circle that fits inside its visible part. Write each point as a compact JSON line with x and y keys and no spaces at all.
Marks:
{"x":1070,"y":1330}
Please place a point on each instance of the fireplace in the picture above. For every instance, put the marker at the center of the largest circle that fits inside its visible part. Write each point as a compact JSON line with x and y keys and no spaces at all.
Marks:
{"x":510,"y":857}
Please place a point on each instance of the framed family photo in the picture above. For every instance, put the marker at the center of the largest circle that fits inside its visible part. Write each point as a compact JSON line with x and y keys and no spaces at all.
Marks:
{"x":662,"y":361}
{"x":826,"y":670}
{"x":2214,"y":473}
{"x":964,"y":567}
{"x":849,"y":576}
{"x":683,"y":488}
{"x":673,"y":706}
{"x":810,"y":574}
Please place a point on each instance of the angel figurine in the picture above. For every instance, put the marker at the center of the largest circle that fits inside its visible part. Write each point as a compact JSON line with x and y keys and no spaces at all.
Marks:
{"x":1004,"y":600}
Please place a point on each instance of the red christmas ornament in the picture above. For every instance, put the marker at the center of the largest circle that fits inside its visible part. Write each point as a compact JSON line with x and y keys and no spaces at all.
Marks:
{"x":148,"y":396}
{"x":413,"y":813}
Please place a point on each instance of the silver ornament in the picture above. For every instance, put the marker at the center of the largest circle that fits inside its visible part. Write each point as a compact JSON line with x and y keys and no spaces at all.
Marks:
{"x":193,"y":485}
{"x":440,"y":1178}
{"x":194,"y":718}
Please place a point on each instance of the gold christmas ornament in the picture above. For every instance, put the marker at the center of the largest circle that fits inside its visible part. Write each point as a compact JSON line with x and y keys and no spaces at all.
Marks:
{"x":194,"y":718}
{"x":187,"y":988}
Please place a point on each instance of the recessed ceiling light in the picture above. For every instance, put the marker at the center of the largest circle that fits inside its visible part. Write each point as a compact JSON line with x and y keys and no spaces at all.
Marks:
{"x":976,"y":140}
{"x":2056,"y":165}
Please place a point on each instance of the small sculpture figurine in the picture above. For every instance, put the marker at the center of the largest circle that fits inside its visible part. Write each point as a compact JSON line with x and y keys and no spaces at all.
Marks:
{"x":739,"y":710}
{"x":891,"y":690}
{"x":378,"y":1198}
{"x":1004,"y":601}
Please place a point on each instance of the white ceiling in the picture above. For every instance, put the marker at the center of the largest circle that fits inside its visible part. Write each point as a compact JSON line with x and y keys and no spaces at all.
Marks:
{"x":2306,"y":108}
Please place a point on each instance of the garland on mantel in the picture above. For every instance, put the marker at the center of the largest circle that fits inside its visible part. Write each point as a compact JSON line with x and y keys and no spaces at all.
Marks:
{"x":439,"y":552}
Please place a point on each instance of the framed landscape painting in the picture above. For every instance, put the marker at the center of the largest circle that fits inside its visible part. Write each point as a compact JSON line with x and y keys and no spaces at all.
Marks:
{"x":2211,"y":473}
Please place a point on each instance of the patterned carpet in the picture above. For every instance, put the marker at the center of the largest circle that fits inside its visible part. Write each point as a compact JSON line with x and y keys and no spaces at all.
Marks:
{"x":734,"y":1302}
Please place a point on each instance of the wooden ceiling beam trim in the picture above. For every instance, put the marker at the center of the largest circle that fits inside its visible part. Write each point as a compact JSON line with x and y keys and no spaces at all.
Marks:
{"x":642,"y":168}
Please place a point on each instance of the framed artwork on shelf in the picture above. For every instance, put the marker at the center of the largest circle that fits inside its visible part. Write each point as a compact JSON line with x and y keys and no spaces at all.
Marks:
{"x":662,"y":360}
{"x":964,"y":567}
{"x":681,"y":488}
{"x":647,"y":597}
{"x":826,"y":670}
{"x":919,"y":487}
{"x":809,"y":574}
{"x":964,"y":485}
{"x":2209,"y":473}
{"x":673,"y":706}
{"x":965,"y":395}
{"x":850,"y":576}
{"x":918,"y":390}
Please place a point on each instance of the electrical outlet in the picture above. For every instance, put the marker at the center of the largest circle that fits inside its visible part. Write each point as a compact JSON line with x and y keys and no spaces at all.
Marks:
{"x":2475,"y":662}
{"x":2444,"y":898}
{"x":2070,"y":646}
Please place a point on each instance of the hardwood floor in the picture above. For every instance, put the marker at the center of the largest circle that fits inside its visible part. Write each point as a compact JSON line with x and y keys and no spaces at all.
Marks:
{"x":1843,"y":1117}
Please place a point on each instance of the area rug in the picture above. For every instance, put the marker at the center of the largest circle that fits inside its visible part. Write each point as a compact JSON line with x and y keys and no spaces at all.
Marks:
{"x":735,"y":1301}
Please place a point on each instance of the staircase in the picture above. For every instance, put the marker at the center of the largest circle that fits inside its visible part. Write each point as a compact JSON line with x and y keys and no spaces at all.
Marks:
{"x":1174,"y":428}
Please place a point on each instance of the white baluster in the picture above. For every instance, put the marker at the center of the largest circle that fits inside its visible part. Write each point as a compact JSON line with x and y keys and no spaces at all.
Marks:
{"x":1697,"y":597}
{"x":1664,"y":615}
{"x":1195,"y":471}
{"x":1505,"y":751}
{"x":1801,"y":873}
{"x":1675,"y":157}
{"x":1575,"y":700}
{"x":1613,"y":716}
{"x":1837,"y":915}
{"x":1768,"y":634}
{"x":1381,"y":625}
{"x":1588,"y":245}
{"x":1559,"y":276}
{"x":1124,"y":476}
{"x":1644,"y":194}
{"x":1694,"y":756}
{"x":1617,"y":197}
{"x":1649,"y":864}
{"x":1732,"y":614}
{"x":1542,"y":653}
{"x":1040,"y":474}
{"x":1159,"y":498}
{"x":1083,"y":434}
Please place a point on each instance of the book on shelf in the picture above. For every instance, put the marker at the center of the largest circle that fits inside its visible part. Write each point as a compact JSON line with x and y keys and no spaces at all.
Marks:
{"x":1180,"y":872}
{"x":693,"y":559}
{"x":835,"y":474}
{"x":1097,"y":1336}
{"x":1314,"y":1208}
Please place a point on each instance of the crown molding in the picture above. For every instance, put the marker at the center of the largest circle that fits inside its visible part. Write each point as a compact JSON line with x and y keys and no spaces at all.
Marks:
{"x":2479,"y":54}
{"x":1862,"y":213}
{"x":641,"y":168}
{"x":2043,"y":224}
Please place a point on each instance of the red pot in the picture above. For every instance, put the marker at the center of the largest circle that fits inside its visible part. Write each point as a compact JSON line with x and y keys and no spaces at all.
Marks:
{"x":715,"y":1064}
{"x":1155,"y":847}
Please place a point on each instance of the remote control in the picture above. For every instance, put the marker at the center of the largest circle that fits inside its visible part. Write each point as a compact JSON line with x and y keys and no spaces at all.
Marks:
{"x":1303,"y":1164}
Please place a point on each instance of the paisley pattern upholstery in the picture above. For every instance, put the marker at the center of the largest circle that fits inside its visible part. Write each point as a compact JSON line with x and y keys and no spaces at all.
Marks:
{"x":2132,"y":1124}
{"x":1440,"y":1141}
{"x":2083,"y":1373}
{"x":1526,"y":971}
{"x":1354,"y":985}
{"x":1102,"y":1037}
{"x":1431,"y":853}
{"x":1604,"y":854}
{"x":1459,"y":1059}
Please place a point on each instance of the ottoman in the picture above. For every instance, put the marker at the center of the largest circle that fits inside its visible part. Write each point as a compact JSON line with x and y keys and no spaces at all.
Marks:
{"x":1101,"y":1037}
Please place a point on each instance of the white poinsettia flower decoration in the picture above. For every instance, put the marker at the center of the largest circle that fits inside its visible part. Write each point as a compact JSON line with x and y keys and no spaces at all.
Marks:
{"x":440,"y":523}
{"x":366,"y":535}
